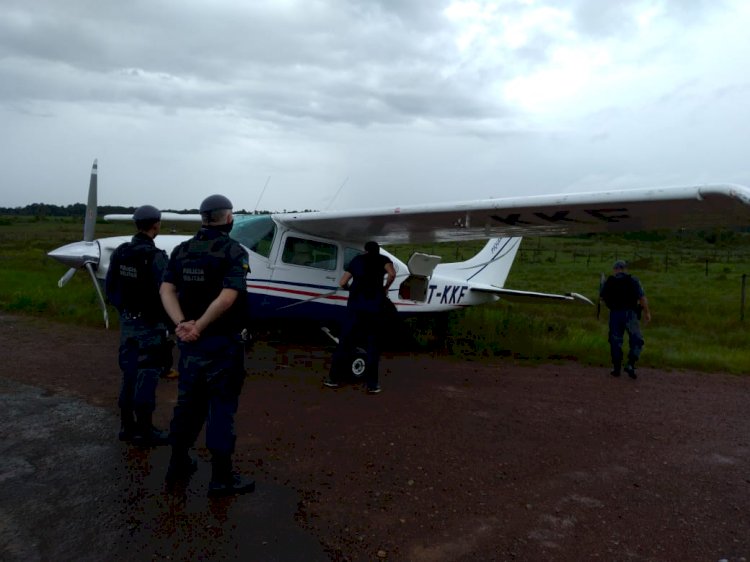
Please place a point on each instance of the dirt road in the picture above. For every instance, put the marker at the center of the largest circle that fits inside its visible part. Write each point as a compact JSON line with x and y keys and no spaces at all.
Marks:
{"x":453,"y":461}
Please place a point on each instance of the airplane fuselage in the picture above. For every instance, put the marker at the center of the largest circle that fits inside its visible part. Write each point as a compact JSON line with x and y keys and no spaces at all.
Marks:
{"x":293,"y":275}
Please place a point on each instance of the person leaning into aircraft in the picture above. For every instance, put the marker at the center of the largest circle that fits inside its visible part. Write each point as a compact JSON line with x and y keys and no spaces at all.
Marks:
{"x":624,"y":296}
{"x":205,"y":294}
{"x":366,"y":312}
{"x":132,"y":286}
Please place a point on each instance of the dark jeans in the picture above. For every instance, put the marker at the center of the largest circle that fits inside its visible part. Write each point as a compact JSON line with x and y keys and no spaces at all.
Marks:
{"x":621,"y":321}
{"x":212,"y":374}
{"x":363,"y":328}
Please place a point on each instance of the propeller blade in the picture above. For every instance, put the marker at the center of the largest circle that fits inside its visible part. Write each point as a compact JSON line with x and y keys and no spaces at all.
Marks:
{"x":67,"y":277}
{"x":102,"y":302}
{"x":87,"y":252}
{"x":90,"y":220}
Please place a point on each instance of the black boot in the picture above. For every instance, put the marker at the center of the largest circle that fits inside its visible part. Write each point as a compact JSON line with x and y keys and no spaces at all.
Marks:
{"x":615,"y":372}
{"x":630,"y":370}
{"x":225,"y":482}
{"x":127,"y":425}
{"x":146,"y":434}
{"x":181,"y":466}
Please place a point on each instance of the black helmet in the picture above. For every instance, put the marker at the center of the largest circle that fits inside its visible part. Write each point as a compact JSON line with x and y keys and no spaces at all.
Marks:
{"x":215,"y":203}
{"x":147,"y":213}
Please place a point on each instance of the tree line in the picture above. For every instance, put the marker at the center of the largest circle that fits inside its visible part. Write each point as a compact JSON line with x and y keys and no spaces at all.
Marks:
{"x":42,"y":210}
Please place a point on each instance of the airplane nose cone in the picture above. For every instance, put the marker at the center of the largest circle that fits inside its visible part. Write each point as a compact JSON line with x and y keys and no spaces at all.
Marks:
{"x":76,"y":254}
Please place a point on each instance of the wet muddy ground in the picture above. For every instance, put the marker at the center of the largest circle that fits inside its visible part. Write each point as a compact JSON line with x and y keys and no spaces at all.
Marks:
{"x":455,"y":460}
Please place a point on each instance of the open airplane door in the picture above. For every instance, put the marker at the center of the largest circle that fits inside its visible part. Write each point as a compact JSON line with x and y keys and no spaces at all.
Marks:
{"x":415,"y":286}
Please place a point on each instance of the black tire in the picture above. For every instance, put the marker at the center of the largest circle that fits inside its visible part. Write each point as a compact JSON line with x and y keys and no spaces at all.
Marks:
{"x":358,"y":365}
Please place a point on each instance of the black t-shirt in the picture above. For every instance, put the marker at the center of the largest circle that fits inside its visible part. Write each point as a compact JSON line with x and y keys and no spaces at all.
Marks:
{"x":366,"y":292}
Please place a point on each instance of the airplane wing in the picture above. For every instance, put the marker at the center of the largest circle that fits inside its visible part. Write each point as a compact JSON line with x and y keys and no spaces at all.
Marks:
{"x":165,"y":217}
{"x":536,"y":215}
{"x":531,"y":296}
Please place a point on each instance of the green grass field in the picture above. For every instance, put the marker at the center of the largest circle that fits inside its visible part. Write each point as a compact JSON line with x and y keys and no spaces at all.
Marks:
{"x":693,"y":282}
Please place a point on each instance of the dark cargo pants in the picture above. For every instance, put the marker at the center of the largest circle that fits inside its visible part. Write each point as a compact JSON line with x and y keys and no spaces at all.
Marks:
{"x":141,"y":359}
{"x":212,"y":374}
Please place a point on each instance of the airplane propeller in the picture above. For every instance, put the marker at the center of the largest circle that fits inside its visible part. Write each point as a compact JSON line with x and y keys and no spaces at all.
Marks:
{"x":67,"y":277}
{"x":84,"y":254}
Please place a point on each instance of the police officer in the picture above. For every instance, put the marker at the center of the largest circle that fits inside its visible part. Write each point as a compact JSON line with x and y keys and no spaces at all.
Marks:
{"x":205,"y":293}
{"x":367,"y":309}
{"x":624,"y":296}
{"x":132,"y":286}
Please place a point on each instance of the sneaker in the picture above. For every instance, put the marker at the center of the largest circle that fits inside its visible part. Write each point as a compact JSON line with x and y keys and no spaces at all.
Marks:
{"x":331,"y":383}
{"x":237,"y":484}
{"x":374,"y":390}
{"x":630,"y":370}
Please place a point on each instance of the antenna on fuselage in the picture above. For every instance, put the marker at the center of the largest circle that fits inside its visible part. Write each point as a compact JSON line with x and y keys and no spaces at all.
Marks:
{"x":337,"y":193}
{"x":261,"y":194}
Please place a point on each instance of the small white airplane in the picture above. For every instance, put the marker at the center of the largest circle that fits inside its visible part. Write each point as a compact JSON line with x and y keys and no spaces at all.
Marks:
{"x":296,"y":259}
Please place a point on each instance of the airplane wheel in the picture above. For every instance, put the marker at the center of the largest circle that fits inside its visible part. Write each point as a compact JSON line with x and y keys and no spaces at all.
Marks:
{"x":358,"y":366}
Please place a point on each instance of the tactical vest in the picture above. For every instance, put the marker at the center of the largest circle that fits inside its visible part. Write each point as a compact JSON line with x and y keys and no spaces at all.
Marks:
{"x":621,"y":292}
{"x":138,"y":285}
{"x":200,"y":265}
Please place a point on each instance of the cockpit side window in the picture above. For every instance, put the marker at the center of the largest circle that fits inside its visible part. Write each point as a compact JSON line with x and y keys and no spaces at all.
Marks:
{"x":256,"y":232}
{"x":349,"y":255}
{"x":310,"y":253}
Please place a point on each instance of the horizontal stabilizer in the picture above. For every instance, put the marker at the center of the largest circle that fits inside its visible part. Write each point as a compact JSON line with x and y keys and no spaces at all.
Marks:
{"x":532,"y":296}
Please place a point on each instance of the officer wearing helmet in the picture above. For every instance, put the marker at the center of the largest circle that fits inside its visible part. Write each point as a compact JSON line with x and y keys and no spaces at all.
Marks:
{"x":205,"y":293}
{"x":132,"y":286}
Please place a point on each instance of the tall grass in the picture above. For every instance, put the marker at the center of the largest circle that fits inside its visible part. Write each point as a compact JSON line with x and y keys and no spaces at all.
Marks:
{"x":28,"y":277}
{"x":692,"y":280}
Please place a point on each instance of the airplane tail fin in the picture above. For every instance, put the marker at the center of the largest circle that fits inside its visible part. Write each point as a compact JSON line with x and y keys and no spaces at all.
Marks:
{"x":490,"y":266}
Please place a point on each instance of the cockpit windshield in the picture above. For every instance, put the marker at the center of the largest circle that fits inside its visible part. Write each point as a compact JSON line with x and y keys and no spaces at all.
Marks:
{"x":256,"y":232}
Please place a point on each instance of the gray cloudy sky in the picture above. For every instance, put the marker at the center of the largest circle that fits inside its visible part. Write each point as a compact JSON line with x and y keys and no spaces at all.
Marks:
{"x":368,"y":102}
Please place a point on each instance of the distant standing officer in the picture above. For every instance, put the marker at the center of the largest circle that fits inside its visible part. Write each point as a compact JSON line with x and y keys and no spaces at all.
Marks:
{"x":625,"y":298}
{"x":132,"y":286}
{"x":367,"y":310}
{"x":205,"y":294}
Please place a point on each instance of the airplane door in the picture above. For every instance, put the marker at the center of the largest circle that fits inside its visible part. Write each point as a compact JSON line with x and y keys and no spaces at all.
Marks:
{"x":305,"y":270}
